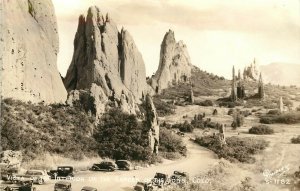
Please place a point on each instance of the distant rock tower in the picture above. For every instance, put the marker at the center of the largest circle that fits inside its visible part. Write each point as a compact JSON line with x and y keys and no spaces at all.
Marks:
{"x":281,"y":105}
{"x":192,"y":98}
{"x":261,"y":91}
{"x":240,"y":87}
{"x":233,"y":86}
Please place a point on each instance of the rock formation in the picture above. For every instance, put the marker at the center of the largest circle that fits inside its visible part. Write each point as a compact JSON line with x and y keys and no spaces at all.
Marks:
{"x":107,"y":59}
{"x":251,"y":72}
{"x":261,"y":91}
{"x":192,"y":98}
{"x":29,"y":43}
{"x":233,"y":95}
{"x":152,"y":124}
{"x":174,"y":64}
{"x":281,"y":108}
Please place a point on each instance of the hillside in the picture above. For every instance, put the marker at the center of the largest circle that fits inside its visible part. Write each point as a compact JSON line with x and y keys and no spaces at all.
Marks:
{"x":211,"y":87}
{"x":281,"y":73}
{"x":203,"y":84}
{"x":37,"y":129}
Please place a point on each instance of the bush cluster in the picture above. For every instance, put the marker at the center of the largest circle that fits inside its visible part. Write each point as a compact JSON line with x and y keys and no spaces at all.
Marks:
{"x":236,"y":149}
{"x":261,"y":130}
{"x":205,"y":103}
{"x":285,"y":118}
{"x":238,"y":119}
{"x":296,"y":140}
{"x":184,"y":127}
{"x":121,"y":136}
{"x":170,"y":144}
{"x":199,"y":121}
{"x":162,"y":108}
{"x":37,"y":128}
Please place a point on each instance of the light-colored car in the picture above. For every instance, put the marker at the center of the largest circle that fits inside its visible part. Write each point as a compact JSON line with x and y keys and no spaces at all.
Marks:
{"x":37,"y":176}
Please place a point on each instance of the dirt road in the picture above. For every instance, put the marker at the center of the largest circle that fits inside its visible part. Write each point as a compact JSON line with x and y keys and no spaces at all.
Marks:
{"x":199,"y":159}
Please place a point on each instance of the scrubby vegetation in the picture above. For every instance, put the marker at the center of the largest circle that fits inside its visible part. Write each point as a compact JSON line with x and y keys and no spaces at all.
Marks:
{"x":121,"y":136}
{"x":203,"y":83}
{"x":171,"y":145}
{"x":261,"y":130}
{"x":163,"y":108}
{"x":238,"y":119}
{"x":35,"y":129}
{"x":286,"y":118}
{"x":215,"y":178}
{"x":296,"y":140}
{"x":184,"y":127}
{"x":236,"y":149}
{"x":205,"y":103}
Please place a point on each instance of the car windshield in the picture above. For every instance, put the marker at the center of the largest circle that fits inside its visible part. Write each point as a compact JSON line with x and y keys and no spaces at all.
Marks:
{"x":61,"y":186}
{"x":64,"y":169}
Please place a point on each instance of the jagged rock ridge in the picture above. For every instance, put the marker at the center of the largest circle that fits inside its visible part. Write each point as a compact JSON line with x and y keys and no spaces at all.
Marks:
{"x":107,"y":60}
{"x":29,"y":43}
{"x":251,"y":72}
{"x":174,"y":64}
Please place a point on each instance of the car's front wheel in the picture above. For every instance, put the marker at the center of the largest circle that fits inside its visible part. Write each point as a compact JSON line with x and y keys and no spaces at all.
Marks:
{"x":40,"y":181}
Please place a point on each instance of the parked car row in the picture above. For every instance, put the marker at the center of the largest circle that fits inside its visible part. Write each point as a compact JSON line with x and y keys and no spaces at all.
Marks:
{"x":111,"y":166}
{"x":161,"y":180}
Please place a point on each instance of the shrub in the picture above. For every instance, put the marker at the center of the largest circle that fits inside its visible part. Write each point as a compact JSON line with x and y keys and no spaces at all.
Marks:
{"x":236,"y":149}
{"x":296,"y":140}
{"x":163,"y":108}
{"x":238,"y":119}
{"x":261,"y":130}
{"x":205,"y":103}
{"x":196,"y":123}
{"x":274,"y":112}
{"x":37,"y":128}
{"x":285,"y":118}
{"x":121,"y":136}
{"x":170,"y":144}
{"x":184,"y":127}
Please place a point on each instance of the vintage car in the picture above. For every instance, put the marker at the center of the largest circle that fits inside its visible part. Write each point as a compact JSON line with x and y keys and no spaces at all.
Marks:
{"x":104,"y":166}
{"x":124,"y":165}
{"x":88,"y":188}
{"x":61,"y":172}
{"x":62,"y":186}
{"x":21,"y":186}
{"x":143,"y":186}
{"x":179,"y":177}
{"x":7,"y":173}
{"x":160,"y":179}
{"x":36,"y":176}
{"x":180,"y":133}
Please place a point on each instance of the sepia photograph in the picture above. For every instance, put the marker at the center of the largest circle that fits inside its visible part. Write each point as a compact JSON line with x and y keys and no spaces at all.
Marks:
{"x":150,"y":95}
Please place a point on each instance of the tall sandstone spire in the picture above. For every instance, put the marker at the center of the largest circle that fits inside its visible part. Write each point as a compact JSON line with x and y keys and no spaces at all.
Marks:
{"x":107,"y":60}
{"x":152,"y":124}
{"x":29,"y":48}
{"x":233,"y":86}
{"x":261,"y":91}
{"x":174,"y":64}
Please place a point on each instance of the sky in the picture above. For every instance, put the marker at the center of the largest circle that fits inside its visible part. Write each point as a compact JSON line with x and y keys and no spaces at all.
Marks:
{"x":217,"y":33}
